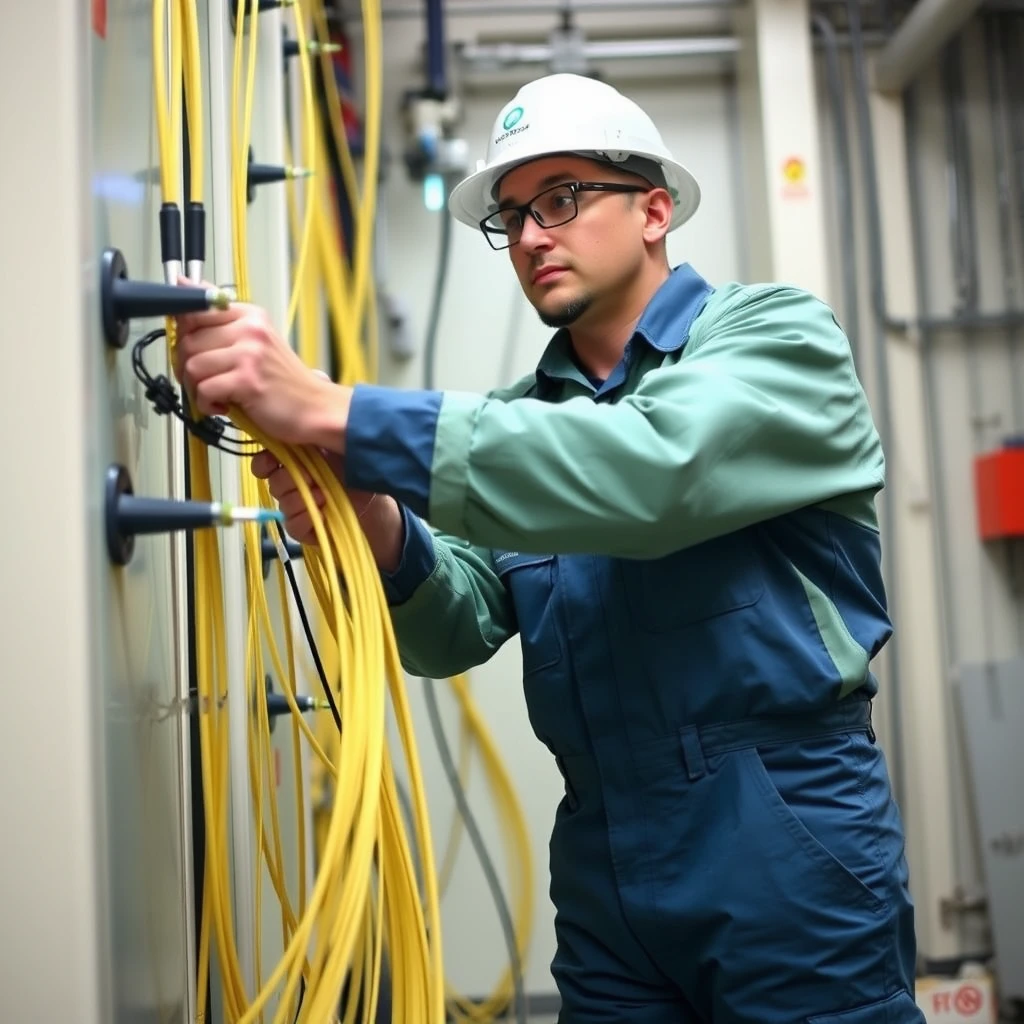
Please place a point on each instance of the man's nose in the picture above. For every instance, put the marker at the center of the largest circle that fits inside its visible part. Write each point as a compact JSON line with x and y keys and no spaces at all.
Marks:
{"x":533,"y":237}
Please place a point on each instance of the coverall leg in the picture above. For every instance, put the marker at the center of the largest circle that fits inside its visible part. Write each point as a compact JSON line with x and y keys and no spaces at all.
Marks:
{"x":756,"y":869}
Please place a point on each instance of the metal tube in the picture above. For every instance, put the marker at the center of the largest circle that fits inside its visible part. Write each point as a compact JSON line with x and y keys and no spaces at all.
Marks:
{"x":961,"y":189}
{"x":436,"y":77}
{"x":484,"y":8}
{"x":884,"y":402}
{"x":996,"y":44}
{"x":918,"y":226}
{"x":844,"y":185}
{"x":506,"y":54}
{"x":926,"y":29}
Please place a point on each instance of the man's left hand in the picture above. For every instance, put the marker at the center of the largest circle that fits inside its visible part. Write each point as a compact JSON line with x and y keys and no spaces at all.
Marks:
{"x":234,"y":357}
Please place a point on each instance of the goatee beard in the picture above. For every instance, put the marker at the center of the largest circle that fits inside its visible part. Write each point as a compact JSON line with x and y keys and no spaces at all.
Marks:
{"x":567,"y":315}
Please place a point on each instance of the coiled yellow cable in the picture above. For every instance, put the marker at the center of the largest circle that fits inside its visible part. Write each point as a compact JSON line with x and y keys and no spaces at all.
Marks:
{"x":365,"y":894}
{"x":354,"y":362}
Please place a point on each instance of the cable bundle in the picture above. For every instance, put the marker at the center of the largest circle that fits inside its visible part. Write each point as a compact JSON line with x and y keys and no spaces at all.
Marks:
{"x":366,"y":896}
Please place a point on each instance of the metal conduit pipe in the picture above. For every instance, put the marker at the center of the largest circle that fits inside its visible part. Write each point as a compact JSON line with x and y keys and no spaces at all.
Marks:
{"x":1005,"y":60}
{"x":485,"y":8}
{"x":843,"y":180}
{"x":960,"y":188}
{"x":436,"y":77}
{"x":884,"y":397}
{"x":506,"y":54}
{"x":918,"y":227}
{"x":963,"y":233}
{"x":996,"y":46}
{"x":503,"y":55}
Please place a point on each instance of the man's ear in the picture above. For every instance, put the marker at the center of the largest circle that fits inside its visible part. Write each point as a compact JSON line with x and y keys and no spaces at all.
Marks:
{"x":659,"y":210}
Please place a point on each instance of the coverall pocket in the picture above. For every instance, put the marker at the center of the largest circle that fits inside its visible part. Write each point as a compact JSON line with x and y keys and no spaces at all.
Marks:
{"x":531,"y":580}
{"x":808,"y":850}
{"x":699,"y":583}
{"x":899,"y":1008}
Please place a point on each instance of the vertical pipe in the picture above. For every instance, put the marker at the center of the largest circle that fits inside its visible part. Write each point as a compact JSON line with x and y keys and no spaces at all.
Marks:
{"x":965,"y":262}
{"x":884,"y":399}
{"x":843,"y":180}
{"x":996,"y":45}
{"x":738,"y":169}
{"x":1009,"y":168}
{"x":436,"y":77}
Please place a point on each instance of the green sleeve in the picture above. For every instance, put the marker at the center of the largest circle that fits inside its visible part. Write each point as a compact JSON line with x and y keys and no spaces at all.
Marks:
{"x":761,"y":415}
{"x":458,"y":616}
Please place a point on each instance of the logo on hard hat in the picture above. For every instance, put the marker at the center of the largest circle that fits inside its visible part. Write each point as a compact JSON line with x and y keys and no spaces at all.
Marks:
{"x":512,"y":118}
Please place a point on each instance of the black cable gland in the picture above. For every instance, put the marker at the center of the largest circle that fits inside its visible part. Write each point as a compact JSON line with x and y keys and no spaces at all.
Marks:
{"x":122,"y":300}
{"x":127,"y":516}
{"x":268,"y":549}
{"x":170,"y":233}
{"x":263,"y":174}
{"x":277,"y":703}
{"x":195,"y":233}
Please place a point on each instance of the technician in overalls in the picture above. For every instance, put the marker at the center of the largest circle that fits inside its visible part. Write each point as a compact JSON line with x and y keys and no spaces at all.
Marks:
{"x":675,"y":513}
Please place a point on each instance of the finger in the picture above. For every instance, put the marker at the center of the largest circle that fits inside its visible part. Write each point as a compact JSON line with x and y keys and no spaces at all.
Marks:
{"x":293,"y":503}
{"x":202,"y":370}
{"x":216,"y":394}
{"x":202,"y":340}
{"x":263,"y":464}
{"x":282,"y":482}
{"x":321,"y":374}
{"x":300,"y":528}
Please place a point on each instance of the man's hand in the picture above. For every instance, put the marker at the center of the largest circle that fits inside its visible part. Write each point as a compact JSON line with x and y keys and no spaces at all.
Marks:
{"x":234,"y":357}
{"x":283,"y":487}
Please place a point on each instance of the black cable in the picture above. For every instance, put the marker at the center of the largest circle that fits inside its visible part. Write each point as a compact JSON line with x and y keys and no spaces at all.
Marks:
{"x":311,"y":640}
{"x":430,"y":696}
{"x":163,"y":396}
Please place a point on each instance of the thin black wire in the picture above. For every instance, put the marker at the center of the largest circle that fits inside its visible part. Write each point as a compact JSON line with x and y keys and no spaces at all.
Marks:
{"x":163,"y":396}
{"x":311,"y":640}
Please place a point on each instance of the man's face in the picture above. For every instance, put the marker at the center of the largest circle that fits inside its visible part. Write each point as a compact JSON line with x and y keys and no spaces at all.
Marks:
{"x":566,"y":271}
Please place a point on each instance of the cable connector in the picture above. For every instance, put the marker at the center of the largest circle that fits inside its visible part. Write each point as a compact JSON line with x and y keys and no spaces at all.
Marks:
{"x":313,"y":47}
{"x":277,"y":703}
{"x":195,"y":240}
{"x":170,"y":242}
{"x":128,"y":516}
{"x":267,"y":174}
{"x":162,"y":395}
{"x":209,"y":430}
{"x":123,"y":300}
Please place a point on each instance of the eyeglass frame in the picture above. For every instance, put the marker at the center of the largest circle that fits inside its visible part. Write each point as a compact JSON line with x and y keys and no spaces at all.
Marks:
{"x":574,"y":187}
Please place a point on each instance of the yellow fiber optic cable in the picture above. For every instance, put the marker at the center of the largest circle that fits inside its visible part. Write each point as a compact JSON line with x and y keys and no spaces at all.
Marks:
{"x":365,"y":892}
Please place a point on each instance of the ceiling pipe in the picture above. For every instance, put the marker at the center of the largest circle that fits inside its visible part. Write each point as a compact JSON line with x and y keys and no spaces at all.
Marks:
{"x":479,"y":8}
{"x":506,"y":54}
{"x":923,"y":33}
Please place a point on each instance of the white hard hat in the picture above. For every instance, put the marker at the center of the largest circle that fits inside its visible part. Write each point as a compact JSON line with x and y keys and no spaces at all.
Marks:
{"x":570,"y":114}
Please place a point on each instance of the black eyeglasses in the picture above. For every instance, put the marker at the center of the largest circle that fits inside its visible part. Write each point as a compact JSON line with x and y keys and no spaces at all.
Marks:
{"x":551,"y":208}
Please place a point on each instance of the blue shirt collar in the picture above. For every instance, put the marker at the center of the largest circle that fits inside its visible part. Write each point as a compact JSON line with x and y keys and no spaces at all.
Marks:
{"x":665,"y":326}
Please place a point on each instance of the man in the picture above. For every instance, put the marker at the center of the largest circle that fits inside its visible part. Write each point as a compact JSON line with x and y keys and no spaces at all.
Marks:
{"x":676,"y":514}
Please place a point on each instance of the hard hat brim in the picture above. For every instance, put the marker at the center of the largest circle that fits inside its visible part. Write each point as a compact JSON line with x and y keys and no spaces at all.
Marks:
{"x":472,"y":199}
